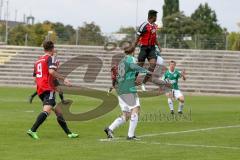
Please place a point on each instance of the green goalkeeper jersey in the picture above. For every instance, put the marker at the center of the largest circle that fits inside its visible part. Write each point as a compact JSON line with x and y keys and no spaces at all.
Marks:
{"x":126,"y":77}
{"x":172,"y":77}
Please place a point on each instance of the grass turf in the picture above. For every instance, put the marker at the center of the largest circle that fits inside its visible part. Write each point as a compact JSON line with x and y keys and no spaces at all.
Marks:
{"x":16,"y":116}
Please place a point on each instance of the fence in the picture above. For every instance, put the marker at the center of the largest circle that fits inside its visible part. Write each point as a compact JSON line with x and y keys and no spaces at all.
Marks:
{"x":197,"y":41}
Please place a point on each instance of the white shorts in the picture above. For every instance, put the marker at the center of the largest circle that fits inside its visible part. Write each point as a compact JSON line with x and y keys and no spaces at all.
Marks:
{"x":160,"y":60}
{"x":177,"y":93}
{"x":128,"y":101}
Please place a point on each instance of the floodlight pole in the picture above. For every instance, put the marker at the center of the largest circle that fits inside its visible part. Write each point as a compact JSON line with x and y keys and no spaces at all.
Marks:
{"x":16,"y":12}
{"x":77,"y":36}
{"x":136,"y":18}
{"x":137,"y":14}
{"x":6,"y":36}
{"x":1,"y":8}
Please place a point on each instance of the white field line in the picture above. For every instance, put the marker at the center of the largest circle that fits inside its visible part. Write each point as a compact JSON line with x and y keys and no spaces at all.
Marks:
{"x":14,"y":100}
{"x":182,"y":145}
{"x":29,"y":111}
{"x":195,"y":145}
{"x":188,"y":131}
{"x":177,"y":132}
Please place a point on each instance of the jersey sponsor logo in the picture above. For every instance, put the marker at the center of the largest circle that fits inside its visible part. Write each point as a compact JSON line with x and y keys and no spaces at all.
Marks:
{"x":172,"y":81}
{"x":153,"y":30}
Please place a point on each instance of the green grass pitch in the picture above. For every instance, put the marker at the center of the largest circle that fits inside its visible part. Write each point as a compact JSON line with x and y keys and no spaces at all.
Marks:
{"x":162,"y":138}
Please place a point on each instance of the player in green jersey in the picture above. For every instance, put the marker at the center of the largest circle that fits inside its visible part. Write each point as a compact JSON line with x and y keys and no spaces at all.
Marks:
{"x":127,"y":95}
{"x":172,"y":75}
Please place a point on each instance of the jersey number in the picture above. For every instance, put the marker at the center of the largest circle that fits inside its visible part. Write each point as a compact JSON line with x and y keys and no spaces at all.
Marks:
{"x":39,"y":70}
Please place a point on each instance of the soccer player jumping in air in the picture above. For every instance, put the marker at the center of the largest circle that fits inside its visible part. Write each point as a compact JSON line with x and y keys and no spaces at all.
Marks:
{"x":45,"y":70}
{"x":147,"y":38}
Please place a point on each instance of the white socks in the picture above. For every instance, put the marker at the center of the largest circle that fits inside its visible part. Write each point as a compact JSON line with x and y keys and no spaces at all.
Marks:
{"x":118,"y":122}
{"x":121,"y":120}
{"x":170,"y":104}
{"x":133,"y":124}
{"x":180,"y":107}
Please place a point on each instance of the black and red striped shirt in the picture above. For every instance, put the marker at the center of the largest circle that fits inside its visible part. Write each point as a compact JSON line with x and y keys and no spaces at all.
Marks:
{"x":148,"y":34}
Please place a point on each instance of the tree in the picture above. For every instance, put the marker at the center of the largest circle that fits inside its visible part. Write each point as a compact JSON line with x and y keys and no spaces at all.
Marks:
{"x":90,"y":34}
{"x":178,"y":23}
{"x":205,"y":15}
{"x":130,"y":31}
{"x":41,"y":31}
{"x":34,"y":34}
{"x":64,"y":33}
{"x":170,"y":7}
{"x":127,"y":30}
{"x":177,"y":26}
{"x":234,"y":41}
{"x":17,"y":35}
{"x":2,"y":32}
{"x":211,"y":35}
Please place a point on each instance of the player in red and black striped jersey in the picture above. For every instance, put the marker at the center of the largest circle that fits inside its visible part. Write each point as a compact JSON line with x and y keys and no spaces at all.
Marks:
{"x":147,"y":39}
{"x":45,"y":71}
{"x":55,"y":83}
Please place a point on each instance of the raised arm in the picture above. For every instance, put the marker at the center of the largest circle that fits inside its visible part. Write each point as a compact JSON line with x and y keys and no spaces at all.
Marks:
{"x":132,"y":48}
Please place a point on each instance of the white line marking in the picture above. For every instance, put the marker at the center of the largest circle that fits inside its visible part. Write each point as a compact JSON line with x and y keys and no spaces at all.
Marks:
{"x":183,"y":145}
{"x":170,"y":133}
{"x":188,"y":131}
{"x":196,"y":145}
{"x":109,"y":139}
{"x":29,"y":111}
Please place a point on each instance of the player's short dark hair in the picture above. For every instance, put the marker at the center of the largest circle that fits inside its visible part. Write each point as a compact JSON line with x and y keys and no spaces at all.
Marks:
{"x":172,"y":62}
{"x":127,"y":52}
{"x":152,"y":13}
{"x":48,"y":45}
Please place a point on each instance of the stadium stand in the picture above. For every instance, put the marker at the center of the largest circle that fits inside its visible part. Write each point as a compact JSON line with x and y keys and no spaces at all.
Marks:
{"x":208,"y":72}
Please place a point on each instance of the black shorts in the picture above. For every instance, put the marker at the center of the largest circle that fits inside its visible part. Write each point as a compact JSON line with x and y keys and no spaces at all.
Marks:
{"x":147,"y":52}
{"x":48,"y":98}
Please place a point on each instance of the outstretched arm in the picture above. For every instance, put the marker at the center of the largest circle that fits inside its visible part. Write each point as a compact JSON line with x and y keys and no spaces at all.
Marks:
{"x":137,"y":68}
{"x":52,"y":70}
{"x":159,"y":45}
{"x":57,"y":75}
{"x":183,"y":74}
{"x":132,"y":48}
